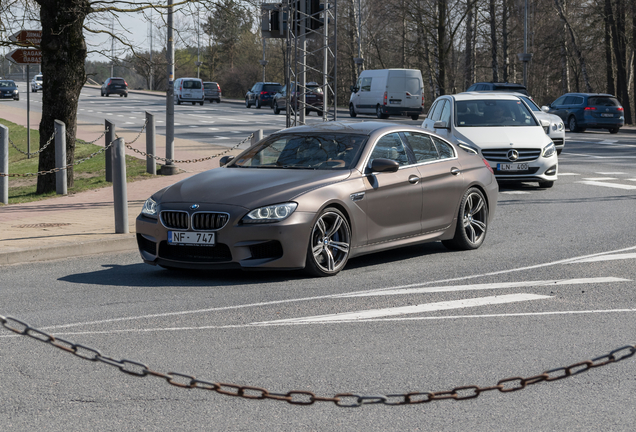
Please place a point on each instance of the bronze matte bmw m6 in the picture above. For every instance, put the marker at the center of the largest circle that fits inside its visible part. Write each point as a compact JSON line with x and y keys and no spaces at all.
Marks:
{"x":314,"y":196}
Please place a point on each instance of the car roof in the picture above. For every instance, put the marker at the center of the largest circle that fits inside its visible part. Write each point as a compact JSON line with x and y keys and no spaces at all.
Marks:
{"x":588,"y":94}
{"x":481,"y":96}
{"x":365,"y":128}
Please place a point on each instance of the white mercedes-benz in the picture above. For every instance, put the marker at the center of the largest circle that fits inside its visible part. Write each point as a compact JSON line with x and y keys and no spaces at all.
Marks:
{"x":502,"y":129}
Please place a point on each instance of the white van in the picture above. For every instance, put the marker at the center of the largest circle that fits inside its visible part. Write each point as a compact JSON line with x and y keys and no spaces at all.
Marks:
{"x":386,"y":92}
{"x":189,"y":90}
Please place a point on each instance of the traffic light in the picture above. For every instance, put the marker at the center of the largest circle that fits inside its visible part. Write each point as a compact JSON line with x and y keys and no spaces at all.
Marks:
{"x":271,"y":23}
{"x":315,"y":8}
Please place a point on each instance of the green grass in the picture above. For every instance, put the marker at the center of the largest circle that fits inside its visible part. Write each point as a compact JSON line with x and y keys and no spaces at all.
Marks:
{"x":87,"y":175}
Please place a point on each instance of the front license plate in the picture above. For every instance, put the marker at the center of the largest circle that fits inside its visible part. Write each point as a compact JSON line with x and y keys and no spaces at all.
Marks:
{"x":607,"y":115}
{"x":191,"y":238}
{"x":512,"y":167}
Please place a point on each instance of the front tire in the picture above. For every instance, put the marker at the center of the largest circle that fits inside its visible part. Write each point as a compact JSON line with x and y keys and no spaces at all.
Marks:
{"x":276,"y":109}
{"x":472,"y":222}
{"x":613,"y":130}
{"x":379,"y":114}
{"x":247,"y":103}
{"x":352,"y":111}
{"x":415,"y":117}
{"x":329,"y":244}
{"x":573,"y":125}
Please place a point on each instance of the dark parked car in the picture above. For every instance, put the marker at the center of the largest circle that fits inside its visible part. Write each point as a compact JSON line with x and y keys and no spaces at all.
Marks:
{"x":9,"y":90}
{"x":588,"y":110}
{"x":261,"y":94}
{"x":115,"y":85}
{"x":212,"y":91}
{"x":498,"y":87}
{"x":311,"y":197}
{"x":314,"y":99}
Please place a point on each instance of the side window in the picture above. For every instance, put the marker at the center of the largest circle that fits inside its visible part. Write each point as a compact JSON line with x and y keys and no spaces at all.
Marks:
{"x":438,"y":110}
{"x":578,"y":100}
{"x":471,"y":88}
{"x":431,"y":109}
{"x":423,"y":148}
{"x":366,"y":84}
{"x":569,"y":100}
{"x":390,"y":147}
{"x":559,"y":101}
{"x":444,"y":149}
{"x":446,"y":113}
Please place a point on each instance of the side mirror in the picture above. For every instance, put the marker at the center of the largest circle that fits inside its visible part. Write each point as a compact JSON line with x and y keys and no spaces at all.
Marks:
{"x":545,"y":124}
{"x":545,"y":108}
{"x":225,"y":160}
{"x":439,"y":124}
{"x":384,"y":165}
{"x":353,"y":89}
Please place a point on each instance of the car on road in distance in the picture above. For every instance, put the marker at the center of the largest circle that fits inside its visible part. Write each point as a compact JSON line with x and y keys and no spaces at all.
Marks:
{"x":189,"y":90}
{"x":212,"y":91}
{"x":501,"y":128}
{"x":115,"y":85}
{"x":387,"y":92}
{"x":498,"y":87}
{"x":261,"y":94}
{"x":9,"y":90}
{"x":580,"y":111}
{"x":314,"y":98}
{"x":312,"y":197}
{"x":556,"y":130}
{"x":36,"y":83}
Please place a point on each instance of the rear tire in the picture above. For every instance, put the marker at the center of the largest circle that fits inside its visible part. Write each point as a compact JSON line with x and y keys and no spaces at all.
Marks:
{"x":415,"y":117}
{"x":379,"y":114}
{"x":276,"y":109}
{"x":472,"y":222}
{"x":352,"y":111}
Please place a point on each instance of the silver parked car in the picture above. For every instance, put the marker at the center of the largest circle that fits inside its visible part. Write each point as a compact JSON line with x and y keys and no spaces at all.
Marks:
{"x":212,"y":91}
{"x":311,"y":197}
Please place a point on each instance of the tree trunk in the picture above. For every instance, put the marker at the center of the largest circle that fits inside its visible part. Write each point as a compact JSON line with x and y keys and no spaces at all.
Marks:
{"x":579,"y":54}
{"x":468,"y":58}
{"x":619,"y":40}
{"x":63,"y":58}
{"x":504,"y":40}
{"x":493,"y":41}
{"x":441,"y":45}
{"x":608,"y":18}
{"x":634,"y":46}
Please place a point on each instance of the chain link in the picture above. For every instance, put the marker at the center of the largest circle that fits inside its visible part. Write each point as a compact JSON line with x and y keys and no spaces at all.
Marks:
{"x":35,"y":152}
{"x":141,"y":132}
{"x":295,"y":397}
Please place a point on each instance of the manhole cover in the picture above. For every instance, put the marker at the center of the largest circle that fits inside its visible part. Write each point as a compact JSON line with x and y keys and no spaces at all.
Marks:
{"x":42,"y":225}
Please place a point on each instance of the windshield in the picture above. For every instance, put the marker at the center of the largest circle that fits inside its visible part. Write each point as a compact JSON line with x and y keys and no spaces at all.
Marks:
{"x":492,"y":113}
{"x":304,"y":151}
{"x":533,"y":106}
{"x":7,"y":84}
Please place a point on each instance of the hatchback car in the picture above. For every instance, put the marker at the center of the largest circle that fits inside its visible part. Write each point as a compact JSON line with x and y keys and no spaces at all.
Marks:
{"x":115,"y":85}
{"x":314,"y":99}
{"x":262,"y":93}
{"x":311,"y":197}
{"x":212,"y":91}
{"x":9,"y":90}
{"x":588,"y":110}
{"x":502,"y":129}
{"x":36,"y":83}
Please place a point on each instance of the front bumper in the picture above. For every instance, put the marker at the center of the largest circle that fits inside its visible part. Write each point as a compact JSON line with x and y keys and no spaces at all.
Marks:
{"x":281,"y":245}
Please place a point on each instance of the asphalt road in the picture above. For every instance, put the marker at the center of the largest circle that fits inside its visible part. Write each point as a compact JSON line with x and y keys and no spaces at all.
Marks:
{"x":553,"y":285}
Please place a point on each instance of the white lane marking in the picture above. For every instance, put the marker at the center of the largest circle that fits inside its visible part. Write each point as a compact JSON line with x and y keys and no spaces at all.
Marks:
{"x":233,"y":119}
{"x":498,"y":285}
{"x":406,"y":310}
{"x":568,"y":174}
{"x":304,"y":299}
{"x":220,"y":137}
{"x":599,"y":178}
{"x":610,"y":173}
{"x":515,"y":192}
{"x":213,"y":128}
{"x":610,"y":185}
{"x":634,"y":179}
{"x":275,"y":324}
{"x":129,"y":123}
{"x":606,"y":258}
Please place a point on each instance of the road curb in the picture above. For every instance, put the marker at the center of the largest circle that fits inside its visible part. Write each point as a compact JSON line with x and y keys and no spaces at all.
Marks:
{"x":123,"y":243}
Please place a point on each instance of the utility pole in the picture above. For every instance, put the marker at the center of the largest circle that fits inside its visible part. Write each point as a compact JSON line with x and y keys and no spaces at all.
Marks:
{"x":112,"y":47}
{"x":169,"y":168}
{"x":198,"y":63}
{"x":151,"y":64}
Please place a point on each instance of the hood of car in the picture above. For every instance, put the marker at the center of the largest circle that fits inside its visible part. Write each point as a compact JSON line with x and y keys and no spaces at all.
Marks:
{"x":496,"y":137}
{"x":249,"y":187}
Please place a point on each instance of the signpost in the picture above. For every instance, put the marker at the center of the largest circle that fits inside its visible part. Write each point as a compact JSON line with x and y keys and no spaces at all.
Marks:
{"x":26,"y":56}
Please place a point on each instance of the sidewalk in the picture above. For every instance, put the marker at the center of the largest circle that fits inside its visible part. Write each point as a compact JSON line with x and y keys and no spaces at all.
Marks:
{"x":84,"y":223}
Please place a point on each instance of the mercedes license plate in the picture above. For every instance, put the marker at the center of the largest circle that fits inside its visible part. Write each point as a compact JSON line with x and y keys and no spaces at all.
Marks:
{"x":512,"y":167}
{"x":191,"y":238}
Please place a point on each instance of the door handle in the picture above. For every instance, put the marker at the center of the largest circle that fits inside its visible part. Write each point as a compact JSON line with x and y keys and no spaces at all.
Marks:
{"x":455,"y":171}
{"x":413,"y":179}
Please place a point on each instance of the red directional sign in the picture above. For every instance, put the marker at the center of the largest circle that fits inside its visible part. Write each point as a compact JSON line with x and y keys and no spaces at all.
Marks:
{"x":30,"y":36}
{"x":25,"y":56}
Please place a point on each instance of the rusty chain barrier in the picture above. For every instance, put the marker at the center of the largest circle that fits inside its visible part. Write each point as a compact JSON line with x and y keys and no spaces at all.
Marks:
{"x":296,"y":397}
{"x":128,"y":145}
{"x":35,"y":152}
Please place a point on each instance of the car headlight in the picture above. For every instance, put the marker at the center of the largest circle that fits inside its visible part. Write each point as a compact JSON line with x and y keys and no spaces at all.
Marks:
{"x":549,"y":150}
{"x":560,"y":126}
{"x":150,"y":208}
{"x":269,"y":214}
{"x":15,"y":91}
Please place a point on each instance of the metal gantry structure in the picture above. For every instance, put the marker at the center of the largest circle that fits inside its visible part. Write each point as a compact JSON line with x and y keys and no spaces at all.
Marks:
{"x":309,"y":27}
